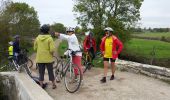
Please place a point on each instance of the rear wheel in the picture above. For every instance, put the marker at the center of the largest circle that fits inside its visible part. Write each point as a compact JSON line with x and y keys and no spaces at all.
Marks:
{"x":84,"y":64}
{"x":72,"y":78}
{"x":29,"y":63}
{"x":58,"y":71}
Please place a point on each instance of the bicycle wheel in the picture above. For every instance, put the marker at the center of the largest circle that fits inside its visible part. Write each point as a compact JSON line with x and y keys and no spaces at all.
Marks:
{"x":84,"y":64}
{"x":72,"y":78}
{"x":29,"y":62}
{"x":7,"y":66}
{"x":26,"y":68}
{"x":56,"y":61}
{"x":58,"y":71}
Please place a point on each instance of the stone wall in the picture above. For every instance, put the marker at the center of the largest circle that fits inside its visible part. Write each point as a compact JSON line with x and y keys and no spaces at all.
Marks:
{"x":23,"y":87}
{"x":150,"y":70}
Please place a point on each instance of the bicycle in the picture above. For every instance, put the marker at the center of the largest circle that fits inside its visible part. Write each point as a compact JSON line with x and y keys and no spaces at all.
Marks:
{"x":12,"y":65}
{"x":86,"y":61}
{"x":26,"y":58}
{"x":71,"y":72}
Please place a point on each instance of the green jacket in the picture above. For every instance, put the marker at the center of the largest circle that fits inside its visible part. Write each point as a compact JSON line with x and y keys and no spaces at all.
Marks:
{"x":44,"y":45}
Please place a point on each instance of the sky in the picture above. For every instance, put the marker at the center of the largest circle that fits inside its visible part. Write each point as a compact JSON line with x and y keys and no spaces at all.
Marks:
{"x":154,"y":13}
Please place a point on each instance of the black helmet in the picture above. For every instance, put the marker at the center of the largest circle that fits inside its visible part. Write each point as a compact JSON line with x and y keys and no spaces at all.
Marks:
{"x":45,"y":28}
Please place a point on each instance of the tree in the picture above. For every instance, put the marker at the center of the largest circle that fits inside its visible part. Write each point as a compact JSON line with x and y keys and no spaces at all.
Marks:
{"x":121,"y":15}
{"x":58,"y":27}
{"x":22,"y":19}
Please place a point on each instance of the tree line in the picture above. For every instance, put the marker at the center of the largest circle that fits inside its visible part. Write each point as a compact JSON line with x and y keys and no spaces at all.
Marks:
{"x":94,"y":15}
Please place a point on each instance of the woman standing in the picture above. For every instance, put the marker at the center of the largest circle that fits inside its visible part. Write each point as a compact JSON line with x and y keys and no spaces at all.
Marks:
{"x":44,"y":45}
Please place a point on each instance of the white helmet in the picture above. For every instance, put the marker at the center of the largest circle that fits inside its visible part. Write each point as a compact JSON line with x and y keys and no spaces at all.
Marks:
{"x":108,"y":29}
{"x":10,"y":43}
{"x":70,"y":29}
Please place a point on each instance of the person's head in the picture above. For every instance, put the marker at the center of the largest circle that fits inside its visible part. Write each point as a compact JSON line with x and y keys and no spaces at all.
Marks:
{"x":10,"y":43}
{"x":89,"y":33}
{"x":16,"y":37}
{"x":70,"y":30}
{"x":108,"y":31}
{"x":44,"y":29}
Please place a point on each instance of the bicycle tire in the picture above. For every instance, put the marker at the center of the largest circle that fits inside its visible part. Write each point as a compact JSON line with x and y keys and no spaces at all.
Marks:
{"x":27,"y":70}
{"x":7,"y":66}
{"x":58,"y":71}
{"x":70,"y":80}
{"x":56,"y":61}
{"x":84,"y":64}
{"x":29,"y":62}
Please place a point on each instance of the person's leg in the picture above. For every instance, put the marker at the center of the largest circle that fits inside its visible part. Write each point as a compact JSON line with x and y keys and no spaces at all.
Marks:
{"x":77,"y":60}
{"x":113,"y":68}
{"x":106,"y":64}
{"x":51,"y":74}
{"x":41,"y":68}
{"x":92,"y":54}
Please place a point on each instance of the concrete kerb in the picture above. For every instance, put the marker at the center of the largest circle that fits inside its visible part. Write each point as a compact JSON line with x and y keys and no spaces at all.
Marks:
{"x":149,"y":70}
{"x":27,"y":88}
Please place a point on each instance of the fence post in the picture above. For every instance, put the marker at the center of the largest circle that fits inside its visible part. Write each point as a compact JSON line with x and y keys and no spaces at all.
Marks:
{"x":153,"y":55}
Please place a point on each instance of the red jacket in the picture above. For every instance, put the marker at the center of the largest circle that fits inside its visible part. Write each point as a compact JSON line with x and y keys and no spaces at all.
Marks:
{"x":117,"y":46}
{"x":86,"y":44}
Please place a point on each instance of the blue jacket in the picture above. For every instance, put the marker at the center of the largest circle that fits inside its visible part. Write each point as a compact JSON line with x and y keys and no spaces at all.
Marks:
{"x":16,"y":47}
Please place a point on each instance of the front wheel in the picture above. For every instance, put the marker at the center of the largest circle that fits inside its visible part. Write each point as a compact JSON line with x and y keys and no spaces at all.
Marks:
{"x":72,"y":78}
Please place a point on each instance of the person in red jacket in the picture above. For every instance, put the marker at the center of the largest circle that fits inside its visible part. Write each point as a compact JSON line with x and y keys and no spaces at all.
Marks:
{"x":89,"y":44}
{"x":110,"y":47}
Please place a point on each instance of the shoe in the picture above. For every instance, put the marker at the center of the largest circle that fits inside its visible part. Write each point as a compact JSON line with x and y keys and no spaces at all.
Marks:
{"x":112,"y":77}
{"x":44,"y":85}
{"x":54,"y":86}
{"x":103,"y":80}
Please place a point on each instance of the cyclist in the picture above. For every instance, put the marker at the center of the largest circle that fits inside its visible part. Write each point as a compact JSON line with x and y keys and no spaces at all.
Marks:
{"x":16,"y":47}
{"x":73,"y":44}
{"x":110,"y":47}
{"x":89,"y":44}
{"x":44,"y":45}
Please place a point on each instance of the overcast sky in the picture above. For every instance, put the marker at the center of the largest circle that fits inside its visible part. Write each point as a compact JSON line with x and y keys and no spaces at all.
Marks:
{"x":154,"y":13}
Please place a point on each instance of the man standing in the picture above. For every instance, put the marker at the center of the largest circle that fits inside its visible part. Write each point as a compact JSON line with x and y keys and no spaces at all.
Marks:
{"x":110,"y":47}
{"x":89,"y":44}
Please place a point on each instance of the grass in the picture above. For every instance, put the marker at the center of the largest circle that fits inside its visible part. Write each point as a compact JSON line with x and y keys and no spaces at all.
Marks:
{"x":144,"y":48}
{"x":154,"y":34}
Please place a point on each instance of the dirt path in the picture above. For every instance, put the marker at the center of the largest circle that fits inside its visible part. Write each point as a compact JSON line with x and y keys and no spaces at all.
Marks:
{"x":126,"y":86}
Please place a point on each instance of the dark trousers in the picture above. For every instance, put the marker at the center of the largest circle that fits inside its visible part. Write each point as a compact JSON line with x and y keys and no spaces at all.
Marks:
{"x":41,"y":67}
{"x":91,"y":52}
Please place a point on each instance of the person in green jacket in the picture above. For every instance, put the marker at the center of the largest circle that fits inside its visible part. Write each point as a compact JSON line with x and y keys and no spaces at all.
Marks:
{"x":44,"y":45}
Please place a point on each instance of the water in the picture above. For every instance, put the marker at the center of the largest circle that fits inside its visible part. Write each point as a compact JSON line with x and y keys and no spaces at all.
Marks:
{"x":7,"y":88}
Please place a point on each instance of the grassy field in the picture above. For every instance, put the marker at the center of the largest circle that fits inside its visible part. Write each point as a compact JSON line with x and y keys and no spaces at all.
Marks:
{"x":144,"y":48}
{"x":154,"y":35}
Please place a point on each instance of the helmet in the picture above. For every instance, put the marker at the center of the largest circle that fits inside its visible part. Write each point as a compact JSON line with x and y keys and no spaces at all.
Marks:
{"x":10,"y":43}
{"x":70,"y":29}
{"x":16,"y":36}
{"x":45,"y":28}
{"x":88,"y":33}
{"x":108,"y":29}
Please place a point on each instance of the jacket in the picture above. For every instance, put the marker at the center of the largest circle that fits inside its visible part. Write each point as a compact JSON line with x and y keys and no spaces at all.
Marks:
{"x":117,"y":46}
{"x":86,"y":44}
{"x":73,"y":43}
{"x":44,"y":45}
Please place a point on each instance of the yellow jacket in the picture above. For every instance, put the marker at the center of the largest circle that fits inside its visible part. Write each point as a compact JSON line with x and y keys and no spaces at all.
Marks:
{"x":44,"y":45}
